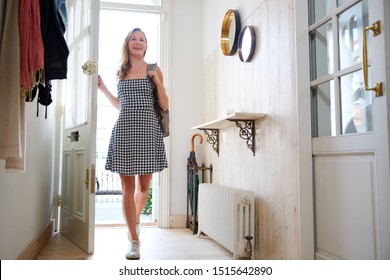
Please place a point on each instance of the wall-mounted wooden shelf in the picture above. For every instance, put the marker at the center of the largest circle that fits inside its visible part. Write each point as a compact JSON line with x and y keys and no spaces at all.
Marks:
{"x":244,"y":121}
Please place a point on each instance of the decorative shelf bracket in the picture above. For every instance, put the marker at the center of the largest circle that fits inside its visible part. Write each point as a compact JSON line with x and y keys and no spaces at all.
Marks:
{"x":244,"y":121}
{"x":213,"y":138}
{"x":247,"y":132}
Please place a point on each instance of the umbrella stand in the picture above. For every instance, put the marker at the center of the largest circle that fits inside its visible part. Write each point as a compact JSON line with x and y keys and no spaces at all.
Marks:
{"x":193,"y":186}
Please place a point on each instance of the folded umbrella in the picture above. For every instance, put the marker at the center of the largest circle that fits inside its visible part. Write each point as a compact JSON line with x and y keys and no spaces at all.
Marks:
{"x":193,"y":178}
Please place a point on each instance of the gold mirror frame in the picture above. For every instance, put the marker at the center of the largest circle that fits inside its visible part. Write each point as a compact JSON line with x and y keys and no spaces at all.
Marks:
{"x":246,"y":48}
{"x":229,"y":36}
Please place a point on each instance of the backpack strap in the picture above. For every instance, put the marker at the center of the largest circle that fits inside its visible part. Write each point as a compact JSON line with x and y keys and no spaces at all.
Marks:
{"x":152,"y":67}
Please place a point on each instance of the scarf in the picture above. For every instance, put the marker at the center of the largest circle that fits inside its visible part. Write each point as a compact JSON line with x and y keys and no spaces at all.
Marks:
{"x":31,"y":45}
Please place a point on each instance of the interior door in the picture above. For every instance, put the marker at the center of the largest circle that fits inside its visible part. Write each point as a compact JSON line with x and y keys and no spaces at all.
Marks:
{"x":77,"y":213}
{"x":350,"y":130}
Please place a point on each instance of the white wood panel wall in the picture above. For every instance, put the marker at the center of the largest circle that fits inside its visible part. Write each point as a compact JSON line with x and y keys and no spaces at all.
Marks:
{"x":266,"y":85}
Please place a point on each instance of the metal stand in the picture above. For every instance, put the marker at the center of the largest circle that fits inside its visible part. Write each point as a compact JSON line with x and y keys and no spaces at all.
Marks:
{"x":192,"y":217}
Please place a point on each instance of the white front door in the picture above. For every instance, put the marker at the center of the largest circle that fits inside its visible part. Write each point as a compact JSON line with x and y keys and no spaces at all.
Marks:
{"x":77,"y":214}
{"x":350,"y":131}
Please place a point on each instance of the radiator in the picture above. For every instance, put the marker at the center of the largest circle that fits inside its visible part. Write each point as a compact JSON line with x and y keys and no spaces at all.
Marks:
{"x":227,"y":216}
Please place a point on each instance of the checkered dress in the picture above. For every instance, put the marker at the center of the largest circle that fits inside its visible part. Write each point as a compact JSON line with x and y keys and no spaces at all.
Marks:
{"x":136,"y":144}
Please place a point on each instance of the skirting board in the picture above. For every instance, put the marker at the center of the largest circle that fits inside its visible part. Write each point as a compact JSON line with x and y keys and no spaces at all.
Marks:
{"x":177,"y":221}
{"x":38,"y":243}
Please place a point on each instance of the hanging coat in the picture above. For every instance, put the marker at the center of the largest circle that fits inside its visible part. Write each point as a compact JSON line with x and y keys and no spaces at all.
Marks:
{"x":62,"y":13}
{"x":56,"y":49}
{"x":53,"y":24}
{"x":11,"y":105}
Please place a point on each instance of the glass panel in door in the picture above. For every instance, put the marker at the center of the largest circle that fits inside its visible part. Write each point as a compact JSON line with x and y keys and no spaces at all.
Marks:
{"x":321,"y":41}
{"x":356,"y":104}
{"x":319,"y":9}
{"x":324,"y":110}
{"x":350,"y":25}
{"x":335,"y":61}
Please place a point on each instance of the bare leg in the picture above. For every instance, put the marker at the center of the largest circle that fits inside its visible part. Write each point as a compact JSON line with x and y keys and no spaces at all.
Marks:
{"x":141,"y":193}
{"x":128,"y":204}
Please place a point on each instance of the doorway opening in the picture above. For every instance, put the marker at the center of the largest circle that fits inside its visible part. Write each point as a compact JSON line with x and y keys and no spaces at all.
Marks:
{"x":115,"y":23}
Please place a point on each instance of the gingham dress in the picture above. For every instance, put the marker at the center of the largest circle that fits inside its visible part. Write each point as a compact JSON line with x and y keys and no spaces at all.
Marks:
{"x":136,"y":144}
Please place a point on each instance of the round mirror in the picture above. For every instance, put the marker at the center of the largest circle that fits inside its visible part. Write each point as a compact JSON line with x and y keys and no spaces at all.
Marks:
{"x":246,"y":43}
{"x":231,"y":27}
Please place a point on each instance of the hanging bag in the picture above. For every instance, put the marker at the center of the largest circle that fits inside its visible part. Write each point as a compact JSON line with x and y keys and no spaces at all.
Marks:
{"x":162,"y":116}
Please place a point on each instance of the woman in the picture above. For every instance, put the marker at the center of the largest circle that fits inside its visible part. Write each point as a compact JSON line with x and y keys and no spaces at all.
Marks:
{"x":136,"y":149}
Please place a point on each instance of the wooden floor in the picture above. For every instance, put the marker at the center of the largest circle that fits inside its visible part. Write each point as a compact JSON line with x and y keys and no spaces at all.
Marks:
{"x":156,"y":244}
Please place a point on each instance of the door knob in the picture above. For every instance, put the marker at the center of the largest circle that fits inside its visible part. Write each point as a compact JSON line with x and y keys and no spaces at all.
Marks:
{"x":89,"y":67}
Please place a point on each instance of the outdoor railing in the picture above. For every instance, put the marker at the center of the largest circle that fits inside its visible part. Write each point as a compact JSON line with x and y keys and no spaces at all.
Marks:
{"x":108,"y":185}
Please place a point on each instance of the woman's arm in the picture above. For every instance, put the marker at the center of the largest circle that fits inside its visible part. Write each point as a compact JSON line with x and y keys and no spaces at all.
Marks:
{"x":158,"y":80}
{"x":113,"y":100}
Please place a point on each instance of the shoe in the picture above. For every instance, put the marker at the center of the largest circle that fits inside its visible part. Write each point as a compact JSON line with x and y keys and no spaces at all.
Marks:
{"x":133,"y":250}
{"x":137,"y":230}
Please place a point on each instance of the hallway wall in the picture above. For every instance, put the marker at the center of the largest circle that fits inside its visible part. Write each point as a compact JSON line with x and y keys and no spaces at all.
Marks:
{"x":26,"y":198}
{"x":186,"y":102}
{"x":265,"y":85}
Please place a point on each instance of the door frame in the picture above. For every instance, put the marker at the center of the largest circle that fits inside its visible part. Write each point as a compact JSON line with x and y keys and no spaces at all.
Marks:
{"x":161,"y":181}
{"x":163,"y":213}
{"x":305,"y":164}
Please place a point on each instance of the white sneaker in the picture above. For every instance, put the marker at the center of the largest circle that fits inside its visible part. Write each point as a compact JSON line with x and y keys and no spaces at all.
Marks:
{"x":137,"y":230}
{"x":133,"y":250}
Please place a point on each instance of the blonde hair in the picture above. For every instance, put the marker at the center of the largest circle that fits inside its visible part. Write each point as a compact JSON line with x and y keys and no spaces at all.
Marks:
{"x":125,"y":63}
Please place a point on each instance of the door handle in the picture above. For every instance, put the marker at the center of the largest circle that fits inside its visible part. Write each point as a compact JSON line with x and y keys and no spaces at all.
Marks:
{"x":89,"y":67}
{"x":86,"y":178}
{"x":93,"y":178}
{"x":376,"y":29}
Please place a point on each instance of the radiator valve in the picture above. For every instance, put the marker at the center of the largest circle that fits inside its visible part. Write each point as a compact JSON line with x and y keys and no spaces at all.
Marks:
{"x":248,"y":246}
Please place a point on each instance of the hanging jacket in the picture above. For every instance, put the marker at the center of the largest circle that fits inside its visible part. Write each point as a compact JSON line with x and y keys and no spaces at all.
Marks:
{"x":53,"y":24}
{"x":63,"y":16}
{"x":56,"y":49}
{"x":12,"y":143}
